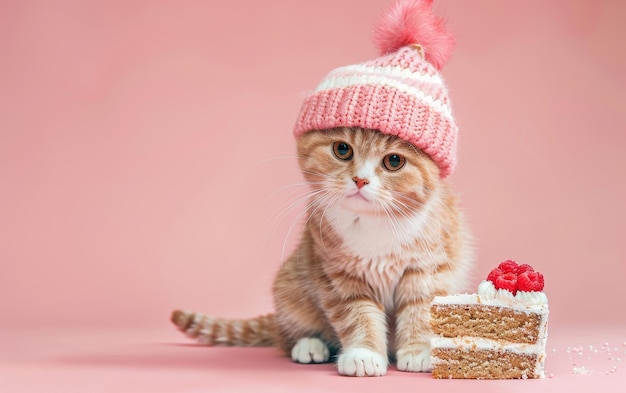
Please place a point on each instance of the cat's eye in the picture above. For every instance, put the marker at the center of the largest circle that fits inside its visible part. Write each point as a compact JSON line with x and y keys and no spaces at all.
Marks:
{"x":393,"y":162}
{"x":342,"y":150}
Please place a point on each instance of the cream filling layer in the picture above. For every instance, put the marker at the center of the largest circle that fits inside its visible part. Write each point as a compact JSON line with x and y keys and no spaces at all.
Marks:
{"x":478,"y":343}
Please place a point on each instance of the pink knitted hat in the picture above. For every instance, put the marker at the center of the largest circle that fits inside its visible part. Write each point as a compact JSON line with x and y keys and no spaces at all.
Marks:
{"x":400,"y":93}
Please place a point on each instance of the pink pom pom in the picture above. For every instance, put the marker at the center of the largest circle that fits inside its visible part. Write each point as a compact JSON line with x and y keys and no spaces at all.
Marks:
{"x":413,"y":22}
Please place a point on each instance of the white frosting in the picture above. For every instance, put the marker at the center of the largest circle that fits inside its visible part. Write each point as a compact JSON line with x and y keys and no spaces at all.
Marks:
{"x":464,"y":298}
{"x":536,"y":302}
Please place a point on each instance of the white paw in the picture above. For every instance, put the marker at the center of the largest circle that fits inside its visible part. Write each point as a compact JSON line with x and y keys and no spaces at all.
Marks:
{"x":361,"y":362}
{"x":310,"y":350}
{"x":415,"y":360}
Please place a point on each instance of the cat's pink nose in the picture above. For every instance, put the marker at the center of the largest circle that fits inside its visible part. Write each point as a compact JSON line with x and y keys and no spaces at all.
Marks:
{"x":360,"y":182}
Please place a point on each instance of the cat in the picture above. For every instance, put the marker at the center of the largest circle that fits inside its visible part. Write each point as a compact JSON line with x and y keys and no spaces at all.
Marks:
{"x":384,"y":235}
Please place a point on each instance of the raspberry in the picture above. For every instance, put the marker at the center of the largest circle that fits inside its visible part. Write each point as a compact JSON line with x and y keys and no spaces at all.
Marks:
{"x":507,"y":281}
{"x":530,"y":281}
{"x":524,"y":268}
{"x":494,"y":274}
{"x":508,"y":266}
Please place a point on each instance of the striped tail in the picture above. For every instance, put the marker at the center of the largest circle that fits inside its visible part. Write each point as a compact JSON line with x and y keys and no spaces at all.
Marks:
{"x":255,"y":332}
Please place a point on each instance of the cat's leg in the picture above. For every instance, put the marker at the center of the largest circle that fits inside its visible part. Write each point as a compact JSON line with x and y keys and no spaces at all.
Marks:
{"x":360,"y":324}
{"x":413,"y":331}
{"x":304,"y":336}
{"x":303,"y":331}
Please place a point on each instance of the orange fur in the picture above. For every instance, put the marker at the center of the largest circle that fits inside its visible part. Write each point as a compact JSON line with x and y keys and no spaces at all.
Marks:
{"x":362,"y":277}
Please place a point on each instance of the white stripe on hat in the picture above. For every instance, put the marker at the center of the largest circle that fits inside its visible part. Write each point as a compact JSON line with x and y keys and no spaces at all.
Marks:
{"x":331,"y":83}
{"x":394,"y":71}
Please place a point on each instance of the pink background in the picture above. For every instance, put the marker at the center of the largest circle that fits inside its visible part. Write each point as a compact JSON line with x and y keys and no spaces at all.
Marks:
{"x":145,"y":147}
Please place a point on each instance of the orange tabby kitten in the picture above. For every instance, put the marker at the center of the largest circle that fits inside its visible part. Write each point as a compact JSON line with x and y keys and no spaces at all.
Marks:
{"x":382,"y":238}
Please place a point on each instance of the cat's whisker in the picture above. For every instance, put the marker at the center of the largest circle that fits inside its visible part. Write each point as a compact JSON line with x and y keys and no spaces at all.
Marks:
{"x":298,"y":186}
{"x":379,"y":213}
{"x":316,"y":199}
{"x":393,"y":222}
{"x":307,"y":210}
{"x":408,"y":209}
{"x":333,"y":201}
{"x":433,"y":226}
{"x":437,"y":203}
{"x":292,"y":204}
{"x":301,"y":193}
{"x":291,"y":226}
{"x":312,"y":207}
{"x":402,"y":208}
{"x":300,"y":198}
{"x":390,"y":220}
{"x":302,"y":184}
{"x":320,"y":174}
{"x":402,"y":229}
{"x":309,"y":186}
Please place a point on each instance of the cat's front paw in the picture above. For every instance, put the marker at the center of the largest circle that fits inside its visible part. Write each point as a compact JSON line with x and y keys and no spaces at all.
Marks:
{"x":361,"y":362}
{"x":310,"y":350}
{"x":416,"y":359}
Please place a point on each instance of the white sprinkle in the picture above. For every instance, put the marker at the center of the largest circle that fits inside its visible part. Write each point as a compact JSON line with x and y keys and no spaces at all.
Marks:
{"x":582,"y":370}
{"x":551,"y":375}
{"x":553,"y":349}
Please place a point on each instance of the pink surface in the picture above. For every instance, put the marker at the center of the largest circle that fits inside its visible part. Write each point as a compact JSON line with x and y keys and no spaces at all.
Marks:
{"x":160,"y":361}
{"x":146,"y":150}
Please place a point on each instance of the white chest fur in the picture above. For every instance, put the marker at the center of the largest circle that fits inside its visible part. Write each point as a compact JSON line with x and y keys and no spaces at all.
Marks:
{"x":368,"y":236}
{"x":380,"y":245}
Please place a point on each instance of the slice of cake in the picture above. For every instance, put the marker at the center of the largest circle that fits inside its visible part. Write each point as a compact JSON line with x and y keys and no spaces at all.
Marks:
{"x":498,"y":333}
